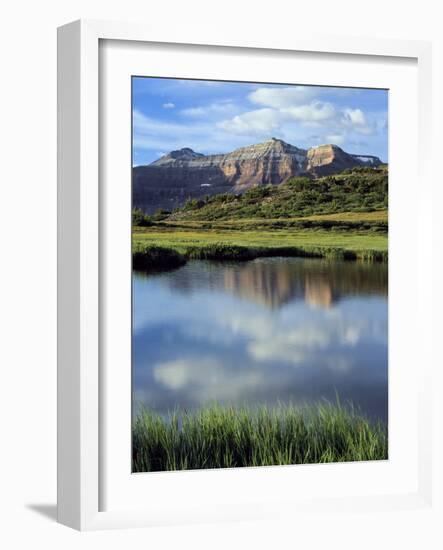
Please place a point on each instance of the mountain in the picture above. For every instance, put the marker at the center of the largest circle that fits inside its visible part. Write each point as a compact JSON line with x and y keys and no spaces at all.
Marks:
{"x":177,"y":157}
{"x":172,"y":179}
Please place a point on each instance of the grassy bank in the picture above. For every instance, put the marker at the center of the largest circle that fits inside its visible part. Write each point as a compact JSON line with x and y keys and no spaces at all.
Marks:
{"x":219,"y":437}
{"x":172,"y":252}
{"x":348,"y":235}
{"x":181,"y":240}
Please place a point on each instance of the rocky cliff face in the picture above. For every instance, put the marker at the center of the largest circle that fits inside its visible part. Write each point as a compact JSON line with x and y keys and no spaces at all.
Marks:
{"x":330,"y":159}
{"x":169,"y":181}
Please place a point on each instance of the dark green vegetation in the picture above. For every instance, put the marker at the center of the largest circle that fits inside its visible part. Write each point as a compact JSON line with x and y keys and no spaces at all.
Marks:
{"x":357,"y":190}
{"x":140,"y":219}
{"x":147,"y":257}
{"x":224,"y":437}
{"x":153,"y":258}
{"x":314,"y":223}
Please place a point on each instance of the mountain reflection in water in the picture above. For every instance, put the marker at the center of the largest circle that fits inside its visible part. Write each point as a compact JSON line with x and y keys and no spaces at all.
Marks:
{"x":261,"y":332}
{"x":274,"y":282}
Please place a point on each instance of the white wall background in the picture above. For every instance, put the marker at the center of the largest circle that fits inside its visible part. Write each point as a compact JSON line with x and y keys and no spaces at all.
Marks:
{"x":28,"y":269}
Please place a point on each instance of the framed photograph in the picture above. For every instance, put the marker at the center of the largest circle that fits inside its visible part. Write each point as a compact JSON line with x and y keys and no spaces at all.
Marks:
{"x":243,"y":300}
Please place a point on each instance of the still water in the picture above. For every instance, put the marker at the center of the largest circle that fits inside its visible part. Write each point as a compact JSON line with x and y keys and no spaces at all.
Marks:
{"x":262,"y":332}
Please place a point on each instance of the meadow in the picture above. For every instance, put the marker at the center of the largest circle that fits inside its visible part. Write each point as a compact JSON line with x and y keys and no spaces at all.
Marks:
{"x":228,"y":437}
{"x":181,"y":238}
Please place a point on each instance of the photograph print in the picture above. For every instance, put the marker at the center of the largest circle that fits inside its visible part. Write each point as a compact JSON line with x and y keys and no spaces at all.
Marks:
{"x":260,"y":274}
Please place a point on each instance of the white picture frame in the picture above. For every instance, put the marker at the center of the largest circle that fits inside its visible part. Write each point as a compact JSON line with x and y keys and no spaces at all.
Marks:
{"x":81,"y":413}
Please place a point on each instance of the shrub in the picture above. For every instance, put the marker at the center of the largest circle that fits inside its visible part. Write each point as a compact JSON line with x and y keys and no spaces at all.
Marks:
{"x":258,"y":192}
{"x":193,"y":204}
{"x":140,"y":219}
{"x":361,"y":190}
{"x":154,"y":258}
{"x":299,"y":183}
{"x":161,"y":214}
{"x":220,"y":251}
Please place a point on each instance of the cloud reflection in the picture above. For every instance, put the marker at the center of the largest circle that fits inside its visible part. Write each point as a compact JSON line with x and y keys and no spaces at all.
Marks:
{"x":204,"y":344}
{"x":207,"y":379}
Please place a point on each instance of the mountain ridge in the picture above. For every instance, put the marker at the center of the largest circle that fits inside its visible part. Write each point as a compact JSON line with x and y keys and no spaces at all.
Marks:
{"x":182,"y":174}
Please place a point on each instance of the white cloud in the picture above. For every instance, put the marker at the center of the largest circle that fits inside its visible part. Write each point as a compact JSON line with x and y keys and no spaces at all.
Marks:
{"x":253,"y":122}
{"x":336,"y":139}
{"x":222,"y":107}
{"x":316,"y":111}
{"x":299,"y":103}
{"x":283,"y":97}
{"x":168,"y":105}
{"x":356,"y":117}
{"x":269,"y":120}
{"x":355,"y":120}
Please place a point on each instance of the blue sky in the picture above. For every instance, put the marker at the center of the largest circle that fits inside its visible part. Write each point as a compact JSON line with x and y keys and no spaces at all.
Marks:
{"x":217,"y":117}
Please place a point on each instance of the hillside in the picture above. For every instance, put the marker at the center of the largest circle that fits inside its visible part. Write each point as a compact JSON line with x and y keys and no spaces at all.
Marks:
{"x":354,"y":190}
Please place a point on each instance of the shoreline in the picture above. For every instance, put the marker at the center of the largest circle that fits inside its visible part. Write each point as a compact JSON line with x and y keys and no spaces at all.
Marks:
{"x":150,"y":257}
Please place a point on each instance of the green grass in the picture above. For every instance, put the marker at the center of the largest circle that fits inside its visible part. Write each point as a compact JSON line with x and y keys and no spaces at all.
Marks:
{"x":241,"y":244}
{"x":181,"y":239}
{"x":376,"y":221}
{"x":226,"y":437}
{"x":377,"y":216}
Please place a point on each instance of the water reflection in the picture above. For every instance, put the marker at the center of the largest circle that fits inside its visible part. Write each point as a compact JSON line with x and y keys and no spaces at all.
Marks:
{"x":280,"y":329}
{"x":275,"y":281}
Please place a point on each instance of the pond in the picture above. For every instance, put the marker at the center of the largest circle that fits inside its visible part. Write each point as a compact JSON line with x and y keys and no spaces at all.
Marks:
{"x":268,"y":331}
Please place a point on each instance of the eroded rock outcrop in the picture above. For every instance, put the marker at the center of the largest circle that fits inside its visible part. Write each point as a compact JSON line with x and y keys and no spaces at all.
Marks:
{"x":331,"y":159}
